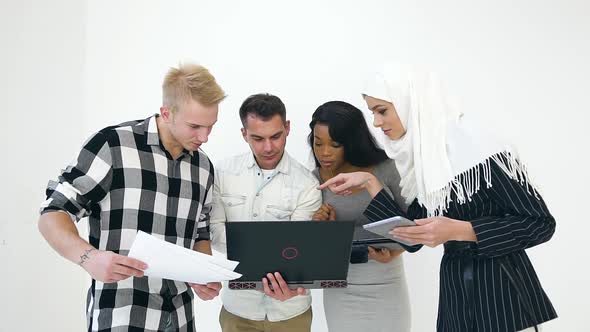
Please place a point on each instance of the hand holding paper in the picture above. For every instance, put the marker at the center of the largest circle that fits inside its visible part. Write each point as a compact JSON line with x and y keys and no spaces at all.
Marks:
{"x":169,"y":261}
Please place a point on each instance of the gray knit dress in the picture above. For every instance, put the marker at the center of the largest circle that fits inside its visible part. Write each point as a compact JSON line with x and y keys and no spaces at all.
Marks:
{"x":376,"y":299}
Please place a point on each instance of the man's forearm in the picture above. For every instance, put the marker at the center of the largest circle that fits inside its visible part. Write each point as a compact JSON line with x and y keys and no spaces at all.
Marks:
{"x":62,"y":235}
{"x":217,"y":240}
{"x":203,"y":246}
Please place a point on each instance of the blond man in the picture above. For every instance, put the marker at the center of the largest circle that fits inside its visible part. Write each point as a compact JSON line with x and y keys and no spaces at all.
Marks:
{"x":147,"y":175}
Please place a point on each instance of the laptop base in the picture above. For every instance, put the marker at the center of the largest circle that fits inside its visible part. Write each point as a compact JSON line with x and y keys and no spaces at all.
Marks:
{"x":319,"y":284}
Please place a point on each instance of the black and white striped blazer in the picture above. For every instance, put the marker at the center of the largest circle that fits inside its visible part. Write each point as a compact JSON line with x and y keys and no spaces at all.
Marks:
{"x":489,"y":285}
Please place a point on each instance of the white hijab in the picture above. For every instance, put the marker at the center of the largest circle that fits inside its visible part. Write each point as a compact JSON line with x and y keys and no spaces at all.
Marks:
{"x":442,"y":149}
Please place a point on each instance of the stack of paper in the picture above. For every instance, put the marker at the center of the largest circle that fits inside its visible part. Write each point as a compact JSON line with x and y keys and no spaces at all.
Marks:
{"x":168,"y":261}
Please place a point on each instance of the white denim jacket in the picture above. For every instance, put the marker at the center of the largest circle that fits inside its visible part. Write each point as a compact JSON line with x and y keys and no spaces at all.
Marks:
{"x":241,"y":193}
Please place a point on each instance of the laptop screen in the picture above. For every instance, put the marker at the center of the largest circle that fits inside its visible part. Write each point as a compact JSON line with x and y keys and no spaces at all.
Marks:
{"x":303,"y":252}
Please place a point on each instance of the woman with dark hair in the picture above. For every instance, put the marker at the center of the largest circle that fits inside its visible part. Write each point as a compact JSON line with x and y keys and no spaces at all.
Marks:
{"x":377,"y":297}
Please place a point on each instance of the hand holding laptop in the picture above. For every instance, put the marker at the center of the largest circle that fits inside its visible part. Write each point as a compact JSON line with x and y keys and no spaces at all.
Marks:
{"x":278,"y":288}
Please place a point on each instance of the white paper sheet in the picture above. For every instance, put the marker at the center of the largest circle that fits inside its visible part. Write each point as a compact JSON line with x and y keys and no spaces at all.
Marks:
{"x":169,"y":261}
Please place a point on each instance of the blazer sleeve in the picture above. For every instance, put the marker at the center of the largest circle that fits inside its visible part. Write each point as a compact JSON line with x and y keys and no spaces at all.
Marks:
{"x":526,"y":222}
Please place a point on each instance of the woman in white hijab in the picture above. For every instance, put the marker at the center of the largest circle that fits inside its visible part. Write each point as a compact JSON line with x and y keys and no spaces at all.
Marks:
{"x":466,"y":191}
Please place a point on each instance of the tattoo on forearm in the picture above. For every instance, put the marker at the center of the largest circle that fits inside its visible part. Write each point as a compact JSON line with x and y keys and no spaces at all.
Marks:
{"x":84,"y":257}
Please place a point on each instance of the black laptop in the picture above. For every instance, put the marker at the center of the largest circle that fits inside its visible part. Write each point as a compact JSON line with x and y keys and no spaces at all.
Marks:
{"x":308,"y":254}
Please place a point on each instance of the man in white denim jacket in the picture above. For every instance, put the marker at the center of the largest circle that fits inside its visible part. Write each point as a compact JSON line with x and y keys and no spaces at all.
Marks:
{"x":264,"y":184}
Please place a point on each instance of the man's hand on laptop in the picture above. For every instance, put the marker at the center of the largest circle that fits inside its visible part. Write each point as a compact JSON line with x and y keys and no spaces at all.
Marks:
{"x":207,"y":292}
{"x":280,"y":290}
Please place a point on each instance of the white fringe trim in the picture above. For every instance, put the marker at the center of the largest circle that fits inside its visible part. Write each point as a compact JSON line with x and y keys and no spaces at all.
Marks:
{"x":468,"y":183}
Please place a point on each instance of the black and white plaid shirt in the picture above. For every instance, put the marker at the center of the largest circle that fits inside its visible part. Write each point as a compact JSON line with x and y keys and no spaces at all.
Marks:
{"x":124,"y":181}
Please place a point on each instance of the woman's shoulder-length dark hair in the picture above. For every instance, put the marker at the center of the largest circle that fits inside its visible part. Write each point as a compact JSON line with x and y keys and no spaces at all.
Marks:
{"x":347,"y":126}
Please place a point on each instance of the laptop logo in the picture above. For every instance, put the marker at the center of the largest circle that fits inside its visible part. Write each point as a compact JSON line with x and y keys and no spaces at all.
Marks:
{"x":290,"y":253}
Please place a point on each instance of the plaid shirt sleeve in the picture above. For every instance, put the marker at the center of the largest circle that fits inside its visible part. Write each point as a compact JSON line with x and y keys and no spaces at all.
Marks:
{"x":203,"y":225}
{"x":218,"y":218}
{"x":82,"y":183}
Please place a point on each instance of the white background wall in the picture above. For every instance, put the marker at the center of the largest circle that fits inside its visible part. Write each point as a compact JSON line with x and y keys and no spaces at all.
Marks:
{"x":72,"y":67}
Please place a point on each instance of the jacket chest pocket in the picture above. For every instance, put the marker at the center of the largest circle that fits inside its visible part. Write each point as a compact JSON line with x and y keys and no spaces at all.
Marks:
{"x":279,"y":213}
{"x":233,"y":206}
{"x":280,"y":200}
